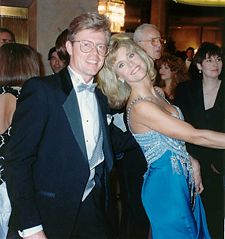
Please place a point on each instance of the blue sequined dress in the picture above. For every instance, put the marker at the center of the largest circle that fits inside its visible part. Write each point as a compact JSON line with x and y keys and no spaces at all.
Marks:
{"x":168,"y":194}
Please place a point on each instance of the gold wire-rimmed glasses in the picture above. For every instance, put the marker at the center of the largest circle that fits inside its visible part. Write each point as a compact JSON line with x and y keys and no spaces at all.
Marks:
{"x":87,"y":46}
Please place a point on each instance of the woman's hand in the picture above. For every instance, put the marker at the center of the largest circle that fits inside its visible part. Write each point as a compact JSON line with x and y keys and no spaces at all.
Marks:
{"x":197,"y":175}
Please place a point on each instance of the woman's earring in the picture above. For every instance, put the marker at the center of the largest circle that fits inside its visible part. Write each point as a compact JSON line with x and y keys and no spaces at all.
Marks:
{"x":200,"y":71}
{"x":122,"y":80}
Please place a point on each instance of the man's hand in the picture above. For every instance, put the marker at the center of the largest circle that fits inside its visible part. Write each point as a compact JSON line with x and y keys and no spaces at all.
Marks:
{"x":38,"y":235}
{"x":197,"y":175}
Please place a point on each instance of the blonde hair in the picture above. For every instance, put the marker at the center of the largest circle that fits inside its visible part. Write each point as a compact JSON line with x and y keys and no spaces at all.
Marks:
{"x":117,"y":91}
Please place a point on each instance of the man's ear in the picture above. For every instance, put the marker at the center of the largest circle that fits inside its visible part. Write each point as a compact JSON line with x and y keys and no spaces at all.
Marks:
{"x":69,"y":47}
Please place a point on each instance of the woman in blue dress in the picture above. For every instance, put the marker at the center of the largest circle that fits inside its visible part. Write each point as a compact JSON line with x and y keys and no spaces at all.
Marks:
{"x":169,"y":196}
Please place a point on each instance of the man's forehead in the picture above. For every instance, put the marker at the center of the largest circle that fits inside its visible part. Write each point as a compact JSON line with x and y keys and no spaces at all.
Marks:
{"x":152,"y":32}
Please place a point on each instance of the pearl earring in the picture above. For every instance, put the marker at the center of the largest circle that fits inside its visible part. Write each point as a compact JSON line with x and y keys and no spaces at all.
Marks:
{"x":200,"y":71}
{"x":121,"y":80}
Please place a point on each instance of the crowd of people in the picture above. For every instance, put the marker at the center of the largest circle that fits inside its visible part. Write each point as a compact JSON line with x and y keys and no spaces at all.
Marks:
{"x":113,"y":102}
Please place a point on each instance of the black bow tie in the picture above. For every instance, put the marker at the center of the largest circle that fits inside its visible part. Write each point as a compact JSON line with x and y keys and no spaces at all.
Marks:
{"x":83,"y":86}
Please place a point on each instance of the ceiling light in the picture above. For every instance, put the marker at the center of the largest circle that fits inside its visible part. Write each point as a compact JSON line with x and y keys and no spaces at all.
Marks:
{"x":115,"y":10}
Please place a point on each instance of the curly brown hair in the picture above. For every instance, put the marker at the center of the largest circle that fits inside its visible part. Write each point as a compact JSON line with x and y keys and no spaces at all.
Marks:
{"x":177,"y":67}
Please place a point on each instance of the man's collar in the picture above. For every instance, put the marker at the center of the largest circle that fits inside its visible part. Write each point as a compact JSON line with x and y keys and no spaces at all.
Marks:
{"x":77,"y":78}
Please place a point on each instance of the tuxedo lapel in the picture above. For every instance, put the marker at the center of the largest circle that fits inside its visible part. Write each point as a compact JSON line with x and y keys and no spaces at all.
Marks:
{"x":72,"y":112}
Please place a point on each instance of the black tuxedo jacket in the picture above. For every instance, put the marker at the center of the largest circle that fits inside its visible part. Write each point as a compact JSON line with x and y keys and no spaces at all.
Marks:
{"x":47,"y":167}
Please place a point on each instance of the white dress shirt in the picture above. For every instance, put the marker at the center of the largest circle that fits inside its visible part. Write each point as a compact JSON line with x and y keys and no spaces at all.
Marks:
{"x":188,"y":63}
{"x":90,"y":120}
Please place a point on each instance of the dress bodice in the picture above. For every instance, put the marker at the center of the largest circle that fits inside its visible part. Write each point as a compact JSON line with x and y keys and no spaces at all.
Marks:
{"x":155,"y":144}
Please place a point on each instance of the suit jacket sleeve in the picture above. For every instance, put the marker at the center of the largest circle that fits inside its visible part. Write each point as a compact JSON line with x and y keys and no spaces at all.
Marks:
{"x":28,"y":124}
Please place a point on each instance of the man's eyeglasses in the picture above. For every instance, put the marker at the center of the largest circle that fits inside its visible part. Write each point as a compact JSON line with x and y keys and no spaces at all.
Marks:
{"x":87,"y":46}
{"x":155,"y":41}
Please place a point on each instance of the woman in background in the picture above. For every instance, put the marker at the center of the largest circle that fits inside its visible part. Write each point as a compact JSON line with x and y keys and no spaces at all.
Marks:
{"x":18,"y":63}
{"x":171,"y":71}
{"x":202,"y":101}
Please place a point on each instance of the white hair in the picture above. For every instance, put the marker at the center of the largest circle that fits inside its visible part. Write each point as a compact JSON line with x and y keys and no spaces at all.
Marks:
{"x":139,"y":30}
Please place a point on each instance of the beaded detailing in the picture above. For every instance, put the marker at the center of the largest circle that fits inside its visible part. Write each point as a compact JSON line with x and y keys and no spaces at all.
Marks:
{"x":154,"y":145}
{"x":130,"y":106}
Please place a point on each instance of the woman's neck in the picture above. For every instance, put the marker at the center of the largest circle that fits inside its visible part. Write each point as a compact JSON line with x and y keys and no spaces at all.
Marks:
{"x":210,"y":91}
{"x":168,"y":83}
{"x":141,"y":91}
{"x":210,"y":83}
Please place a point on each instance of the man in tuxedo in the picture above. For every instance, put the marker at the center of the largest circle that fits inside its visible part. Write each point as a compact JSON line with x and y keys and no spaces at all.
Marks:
{"x":59,"y":157}
{"x":189,"y":56}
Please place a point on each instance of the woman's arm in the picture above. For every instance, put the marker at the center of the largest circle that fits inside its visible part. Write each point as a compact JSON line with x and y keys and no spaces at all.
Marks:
{"x":147,"y":115}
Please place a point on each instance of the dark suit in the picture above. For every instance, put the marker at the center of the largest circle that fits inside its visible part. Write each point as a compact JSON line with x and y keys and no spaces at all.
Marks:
{"x":134,"y":223}
{"x":189,"y":97}
{"x":47,"y":156}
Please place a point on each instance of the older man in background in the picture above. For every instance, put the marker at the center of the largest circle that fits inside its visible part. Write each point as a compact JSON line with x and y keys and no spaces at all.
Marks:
{"x":148,"y":37}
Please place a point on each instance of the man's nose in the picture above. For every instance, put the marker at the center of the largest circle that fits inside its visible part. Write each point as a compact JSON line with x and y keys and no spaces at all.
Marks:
{"x":94,"y":50}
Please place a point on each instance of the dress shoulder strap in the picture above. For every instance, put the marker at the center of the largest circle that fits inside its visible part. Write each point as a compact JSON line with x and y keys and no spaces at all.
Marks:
{"x":135,"y":101}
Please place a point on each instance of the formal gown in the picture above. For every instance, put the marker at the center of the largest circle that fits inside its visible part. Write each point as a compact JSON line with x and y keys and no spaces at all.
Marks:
{"x":168,"y":192}
{"x":5,"y":207}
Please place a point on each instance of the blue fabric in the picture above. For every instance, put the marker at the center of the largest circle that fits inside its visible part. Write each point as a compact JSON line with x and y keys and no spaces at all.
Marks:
{"x":168,"y":192}
{"x":167,"y":201}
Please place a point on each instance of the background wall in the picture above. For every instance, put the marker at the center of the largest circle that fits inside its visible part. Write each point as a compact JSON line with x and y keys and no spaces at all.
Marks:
{"x":187,"y":36}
